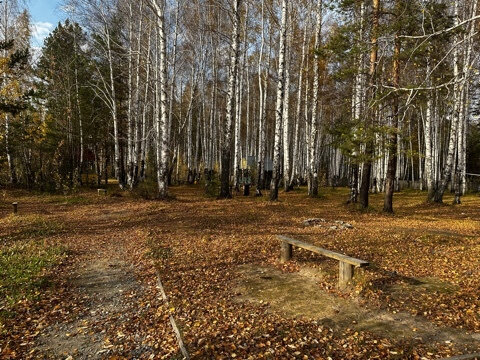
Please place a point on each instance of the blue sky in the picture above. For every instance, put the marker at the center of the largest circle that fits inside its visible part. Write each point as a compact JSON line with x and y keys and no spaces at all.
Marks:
{"x":45,"y":16}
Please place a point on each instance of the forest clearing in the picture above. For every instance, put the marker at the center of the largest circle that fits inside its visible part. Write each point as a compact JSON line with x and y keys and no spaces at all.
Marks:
{"x":239,"y":179}
{"x":232,"y":297}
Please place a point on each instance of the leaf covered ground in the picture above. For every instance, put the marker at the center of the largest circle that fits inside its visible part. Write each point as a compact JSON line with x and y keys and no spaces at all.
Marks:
{"x":101,"y":255}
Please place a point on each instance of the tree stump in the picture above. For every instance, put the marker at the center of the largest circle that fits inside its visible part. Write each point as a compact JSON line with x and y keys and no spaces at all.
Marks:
{"x":15,"y":207}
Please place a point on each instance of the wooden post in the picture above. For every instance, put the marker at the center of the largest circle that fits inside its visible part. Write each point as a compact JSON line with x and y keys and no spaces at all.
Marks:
{"x":286,"y":251}
{"x":15,"y":207}
{"x":345,"y":274}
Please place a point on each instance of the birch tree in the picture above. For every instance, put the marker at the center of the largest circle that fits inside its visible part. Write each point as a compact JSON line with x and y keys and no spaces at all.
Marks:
{"x":298,"y":113}
{"x":286,"y":129}
{"x":230,"y":111}
{"x":314,"y":126}
{"x":262,"y":88}
{"x":162,"y":117}
{"x":392,"y":153}
{"x":455,"y":116}
{"x":280,"y":105}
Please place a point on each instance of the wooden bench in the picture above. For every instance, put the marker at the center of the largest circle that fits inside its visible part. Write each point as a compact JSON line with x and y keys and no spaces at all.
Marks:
{"x":102,"y":192}
{"x":347,"y":264}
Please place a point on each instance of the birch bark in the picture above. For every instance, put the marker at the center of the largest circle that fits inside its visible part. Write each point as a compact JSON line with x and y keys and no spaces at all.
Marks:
{"x":286,"y":105}
{"x":162,"y":118}
{"x":447,"y":171}
{"x":296,"y":144}
{"x":230,"y":113}
{"x":313,"y":165}
{"x":262,"y":82}
{"x":279,"y":106}
{"x":392,"y":154}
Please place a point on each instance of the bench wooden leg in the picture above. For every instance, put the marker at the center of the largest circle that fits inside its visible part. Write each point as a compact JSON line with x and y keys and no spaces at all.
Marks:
{"x":286,"y":251}
{"x":345,"y":274}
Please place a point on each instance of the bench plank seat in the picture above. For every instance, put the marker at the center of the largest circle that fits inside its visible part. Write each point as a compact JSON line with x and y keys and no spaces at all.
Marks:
{"x":346,"y":264}
{"x":325,"y":252}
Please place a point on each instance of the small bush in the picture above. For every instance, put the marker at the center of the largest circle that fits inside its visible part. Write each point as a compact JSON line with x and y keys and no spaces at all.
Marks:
{"x":212,"y":187}
{"x":147,"y":190}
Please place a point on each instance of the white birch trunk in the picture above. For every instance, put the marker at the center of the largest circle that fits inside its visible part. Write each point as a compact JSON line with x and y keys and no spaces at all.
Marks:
{"x":429,"y":175}
{"x":130,"y":119}
{"x":280,"y":105}
{"x":230,"y":113}
{"x":144,"y":112}
{"x":298,"y":114}
{"x":313,"y":165}
{"x":449,"y":163}
{"x":462,"y":131}
{"x":172,"y":80}
{"x":119,"y":173}
{"x":237,"y":159}
{"x":137,"y":147}
{"x":162,"y":117}
{"x":262,"y":86}
{"x":286,"y":109}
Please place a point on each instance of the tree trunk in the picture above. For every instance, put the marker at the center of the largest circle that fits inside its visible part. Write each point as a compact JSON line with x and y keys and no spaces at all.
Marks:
{"x":447,"y":171}
{"x":367,"y":165}
{"x":130,"y":118}
{"x":237,"y":159}
{"x":429,"y":174}
{"x":262,"y":86}
{"x":119,"y":168}
{"x":144,"y":131}
{"x":8,"y":150}
{"x":296,"y":144}
{"x":286,"y":109}
{"x":172,"y":83}
{"x":137,"y":147}
{"x":79,"y":112}
{"x":280,"y":105}
{"x":392,"y":154}
{"x":162,"y":118}
{"x":314,"y":127}
{"x":232,"y":82}
{"x":357,"y":102}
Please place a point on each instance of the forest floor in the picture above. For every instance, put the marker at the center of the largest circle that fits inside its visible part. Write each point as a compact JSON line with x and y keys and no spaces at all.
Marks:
{"x":78,"y":277}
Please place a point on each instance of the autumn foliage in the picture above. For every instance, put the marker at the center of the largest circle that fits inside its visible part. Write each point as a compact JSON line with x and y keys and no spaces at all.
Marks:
{"x":423,"y":278}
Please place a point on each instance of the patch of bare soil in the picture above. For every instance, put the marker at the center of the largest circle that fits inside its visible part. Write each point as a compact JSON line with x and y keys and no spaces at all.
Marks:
{"x":103,"y":282}
{"x":298,"y":295}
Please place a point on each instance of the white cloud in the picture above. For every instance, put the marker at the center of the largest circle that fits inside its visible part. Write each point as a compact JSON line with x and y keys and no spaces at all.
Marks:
{"x":40,"y":31}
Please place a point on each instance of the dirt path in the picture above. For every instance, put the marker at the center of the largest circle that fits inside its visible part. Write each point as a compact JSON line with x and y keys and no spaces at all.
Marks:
{"x":298,"y":295}
{"x":104,"y":282}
